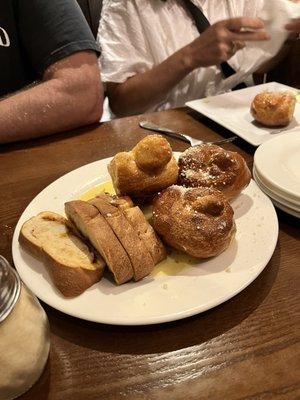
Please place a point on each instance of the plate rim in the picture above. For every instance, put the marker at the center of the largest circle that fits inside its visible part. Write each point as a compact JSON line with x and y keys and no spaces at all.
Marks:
{"x":259,"y":170}
{"x":173,"y":316}
{"x":273,"y":195}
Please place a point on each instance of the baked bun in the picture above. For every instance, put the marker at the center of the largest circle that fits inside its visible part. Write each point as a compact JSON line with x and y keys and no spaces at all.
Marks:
{"x":147,"y":169}
{"x":198,"y":221}
{"x":273,"y":108}
{"x":208,"y":165}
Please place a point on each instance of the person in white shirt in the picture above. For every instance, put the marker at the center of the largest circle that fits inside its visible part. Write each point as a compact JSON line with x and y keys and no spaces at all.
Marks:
{"x":153,"y":57}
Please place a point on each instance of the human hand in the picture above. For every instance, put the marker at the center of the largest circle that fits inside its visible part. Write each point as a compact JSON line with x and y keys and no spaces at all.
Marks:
{"x":293,"y":25}
{"x":220,"y":41}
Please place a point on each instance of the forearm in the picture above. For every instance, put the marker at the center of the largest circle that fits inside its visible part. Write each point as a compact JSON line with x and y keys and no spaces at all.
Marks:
{"x":144,"y":90}
{"x":212,"y":47}
{"x":46,"y":108}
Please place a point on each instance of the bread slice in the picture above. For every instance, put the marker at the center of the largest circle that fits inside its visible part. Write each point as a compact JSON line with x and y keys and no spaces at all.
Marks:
{"x":72,"y":265}
{"x":146,"y":233}
{"x":122,"y":202}
{"x":94,"y":226}
{"x":139,"y":255}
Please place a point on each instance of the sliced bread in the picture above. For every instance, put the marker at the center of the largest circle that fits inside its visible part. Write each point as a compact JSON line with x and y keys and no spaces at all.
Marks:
{"x":94,"y":226}
{"x":146,"y":234}
{"x":72,"y":265}
{"x":139,"y":255}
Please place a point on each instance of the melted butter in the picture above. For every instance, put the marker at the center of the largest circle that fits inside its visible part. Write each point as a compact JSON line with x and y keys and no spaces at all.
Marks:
{"x":94,"y":191}
{"x":174,"y":264}
{"x":176,"y":261}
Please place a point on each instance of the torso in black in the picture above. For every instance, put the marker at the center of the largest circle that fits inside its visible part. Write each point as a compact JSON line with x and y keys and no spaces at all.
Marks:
{"x":34,"y":34}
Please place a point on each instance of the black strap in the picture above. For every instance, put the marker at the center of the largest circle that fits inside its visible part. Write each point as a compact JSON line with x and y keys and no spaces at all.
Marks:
{"x":202,"y":24}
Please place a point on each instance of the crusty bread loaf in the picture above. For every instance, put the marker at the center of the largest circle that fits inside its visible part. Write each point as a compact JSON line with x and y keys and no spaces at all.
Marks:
{"x":94,"y":226}
{"x":146,"y":234}
{"x":139,"y":255}
{"x":72,"y":265}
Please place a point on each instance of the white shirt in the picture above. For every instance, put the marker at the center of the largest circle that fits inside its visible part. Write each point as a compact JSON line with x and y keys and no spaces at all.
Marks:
{"x":136,"y":35}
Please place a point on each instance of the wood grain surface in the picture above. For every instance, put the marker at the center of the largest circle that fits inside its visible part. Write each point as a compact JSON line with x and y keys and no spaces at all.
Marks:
{"x":247,"y":348}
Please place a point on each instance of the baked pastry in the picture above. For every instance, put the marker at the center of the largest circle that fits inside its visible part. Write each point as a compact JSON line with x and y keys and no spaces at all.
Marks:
{"x":197,"y":221}
{"x":120,"y":233}
{"x":140,"y":258}
{"x":93,"y":226}
{"x":72,"y":265}
{"x":208,"y":165}
{"x":147,"y":169}
{"x":273,"y":108}
{"x":146,"y":234}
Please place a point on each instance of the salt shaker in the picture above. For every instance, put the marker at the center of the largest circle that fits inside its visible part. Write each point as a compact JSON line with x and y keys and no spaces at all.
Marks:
{"x":24,"y":335}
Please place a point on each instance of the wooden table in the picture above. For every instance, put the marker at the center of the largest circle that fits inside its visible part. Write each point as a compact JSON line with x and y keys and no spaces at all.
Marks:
{"x":247,"y":348}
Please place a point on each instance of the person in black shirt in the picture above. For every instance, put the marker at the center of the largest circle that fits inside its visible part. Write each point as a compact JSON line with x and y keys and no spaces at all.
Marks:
{"x":49,"y":74}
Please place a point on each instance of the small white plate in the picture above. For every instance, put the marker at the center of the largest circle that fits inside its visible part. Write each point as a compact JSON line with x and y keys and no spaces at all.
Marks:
{"x":232,"y":110}
{"x":166,"y":295}
{"x":278,"y":163}
{"x":277,"y":201}
{"x":286,"y":209}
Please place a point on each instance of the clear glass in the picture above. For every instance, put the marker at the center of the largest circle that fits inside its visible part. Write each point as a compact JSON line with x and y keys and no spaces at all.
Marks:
{"x":24,"y":339}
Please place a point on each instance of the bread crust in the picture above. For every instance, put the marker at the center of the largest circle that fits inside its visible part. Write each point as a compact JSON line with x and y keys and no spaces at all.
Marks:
{"x":137,"y":251}
{"x":71,"y":280}
{"x":273,"y":108}
{"x":93,"y":226}
{"x":197,"y":221}
{"x":212,"y":166}
{"x":146,"y":233}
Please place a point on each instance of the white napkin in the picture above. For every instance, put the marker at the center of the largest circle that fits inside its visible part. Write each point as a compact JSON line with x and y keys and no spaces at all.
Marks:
{"x":275,"y":14}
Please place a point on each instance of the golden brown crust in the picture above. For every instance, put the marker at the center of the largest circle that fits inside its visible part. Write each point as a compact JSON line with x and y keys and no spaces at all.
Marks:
{"x":144,"y":171}
{"x":69,"y":281}
{"x":146,"y":234}
{"x":198,"y":221}
{"x":30,"y":246}
{"x":94,"y":226}
{"x":40,"y":238}
{"x":273,"y":108}
{"x":138,"y":253}
{"x":209,"y":165}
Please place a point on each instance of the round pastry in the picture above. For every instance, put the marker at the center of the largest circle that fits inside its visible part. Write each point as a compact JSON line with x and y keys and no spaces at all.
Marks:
{"x":198,"y":221}
{"x":209,"y":165}
{"x":152,"y":153}
{"x":273,"y":108}
{"x":145,"y":170}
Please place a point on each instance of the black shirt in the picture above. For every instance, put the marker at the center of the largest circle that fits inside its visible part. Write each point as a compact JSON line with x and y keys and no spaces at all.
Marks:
{"x":36,"y":33}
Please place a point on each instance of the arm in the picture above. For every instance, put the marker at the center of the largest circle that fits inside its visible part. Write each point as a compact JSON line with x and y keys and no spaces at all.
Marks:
{"x":69,"y":95}
{"x":213,"y":47}
{"x":293,"y":25}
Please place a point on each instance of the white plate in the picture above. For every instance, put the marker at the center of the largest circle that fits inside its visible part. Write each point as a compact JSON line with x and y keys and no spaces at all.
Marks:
{"x":274,"y":195}
{"x":286,"y":209}
{"x":164,"y":296}
{"x":278,"y":204}
{"x":232,"y":110}
{"x":278,"y":163}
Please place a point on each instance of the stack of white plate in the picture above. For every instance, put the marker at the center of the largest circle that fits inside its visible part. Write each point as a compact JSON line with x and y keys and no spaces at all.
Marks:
{"x":276,"y":171}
